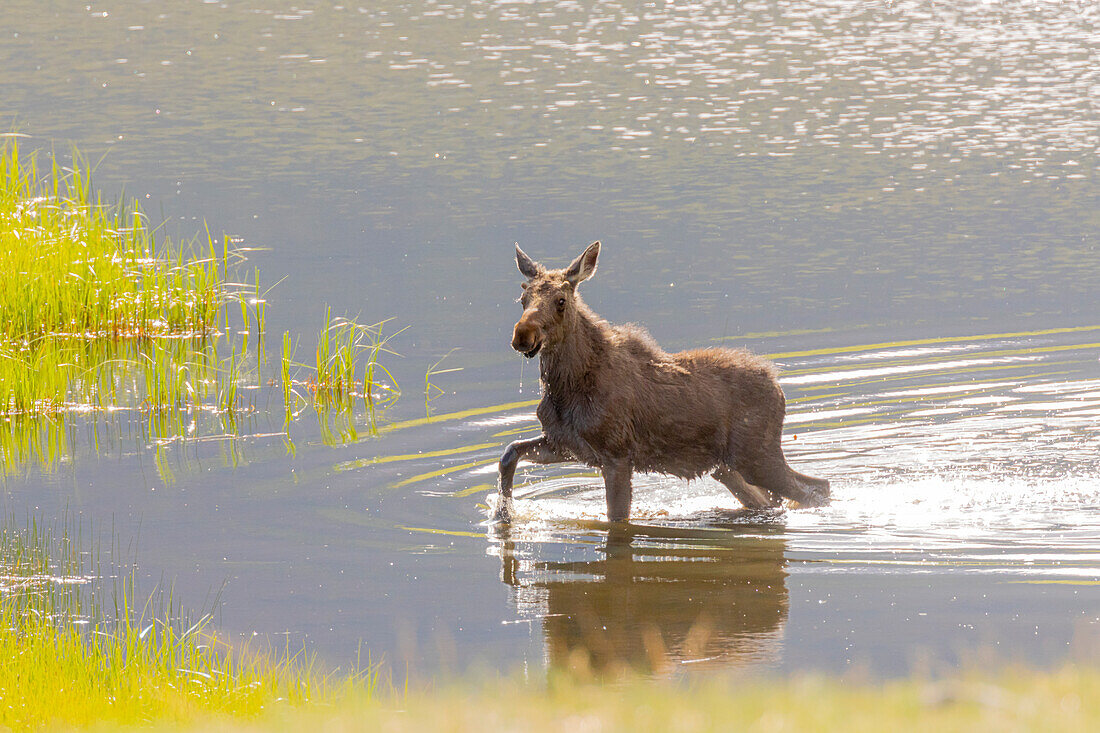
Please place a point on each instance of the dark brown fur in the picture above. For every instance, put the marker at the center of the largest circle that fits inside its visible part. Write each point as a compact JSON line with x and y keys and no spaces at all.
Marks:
{"x":612,"y":398}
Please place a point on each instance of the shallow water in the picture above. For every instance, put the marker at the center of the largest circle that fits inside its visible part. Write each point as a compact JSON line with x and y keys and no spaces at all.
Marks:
{"x":898,"y":202}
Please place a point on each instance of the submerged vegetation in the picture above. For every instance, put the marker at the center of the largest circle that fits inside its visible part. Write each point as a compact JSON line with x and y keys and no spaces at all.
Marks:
{"x":100,"y":322}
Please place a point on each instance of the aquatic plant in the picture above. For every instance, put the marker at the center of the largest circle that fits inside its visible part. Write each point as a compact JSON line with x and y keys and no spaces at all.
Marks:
{"x":94,"y":312}
{"x":433,"y":390}
{"x":98,"y":319}
{"x":76,"y":267}
{"x":347,"y":369}
{"x":341,"y":343}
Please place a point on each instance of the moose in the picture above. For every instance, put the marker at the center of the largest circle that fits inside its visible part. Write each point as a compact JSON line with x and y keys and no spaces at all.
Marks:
{"x":615,"y":400}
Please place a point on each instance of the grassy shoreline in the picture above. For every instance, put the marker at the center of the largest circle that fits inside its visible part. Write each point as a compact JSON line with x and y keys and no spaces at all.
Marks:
{"x":76,"y":650}
{"x":99,"y":319}
{"x":1064,"y":700}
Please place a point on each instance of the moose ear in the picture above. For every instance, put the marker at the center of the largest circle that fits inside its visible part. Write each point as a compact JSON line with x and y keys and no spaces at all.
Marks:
{"x":527,"y":266}
{"x":584,"y":266}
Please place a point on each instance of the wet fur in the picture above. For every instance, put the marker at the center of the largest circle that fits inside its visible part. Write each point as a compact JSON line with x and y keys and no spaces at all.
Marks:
{"x":613,"y":399}
{"x":612,"y":392}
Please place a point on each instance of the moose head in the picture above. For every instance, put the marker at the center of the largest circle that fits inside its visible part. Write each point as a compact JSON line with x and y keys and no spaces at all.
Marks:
{"x":549,"y":300}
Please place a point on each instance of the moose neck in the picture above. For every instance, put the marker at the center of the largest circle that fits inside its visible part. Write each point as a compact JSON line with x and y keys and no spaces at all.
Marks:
{"x":563,"y":366}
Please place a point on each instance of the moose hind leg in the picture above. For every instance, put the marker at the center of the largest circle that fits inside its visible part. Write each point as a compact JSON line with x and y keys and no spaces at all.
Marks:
{"x":774,"y":474}
{"x":533,"y":449}
{"x":616,"y":481}
{"x":753,"y":497}
{"x":819,"y":487}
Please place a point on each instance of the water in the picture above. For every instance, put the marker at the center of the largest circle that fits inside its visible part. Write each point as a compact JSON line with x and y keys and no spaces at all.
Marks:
{"x":897,"y":201}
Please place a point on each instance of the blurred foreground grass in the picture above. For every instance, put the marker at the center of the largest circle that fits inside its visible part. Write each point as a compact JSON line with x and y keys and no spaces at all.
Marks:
{"x":1063,"y":700}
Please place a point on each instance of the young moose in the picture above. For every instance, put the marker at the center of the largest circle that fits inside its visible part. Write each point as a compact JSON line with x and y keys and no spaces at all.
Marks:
{"x":612,"y":398}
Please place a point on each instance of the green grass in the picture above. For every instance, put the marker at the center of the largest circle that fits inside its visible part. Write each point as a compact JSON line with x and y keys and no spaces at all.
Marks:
{"x":96,"y":315}
{"x":74,"y":267}
{"x":1065,"y":700}
{"x":65,"y":663}
{"x":335,"y":378}
{"x":101,"y":322}
{"x":346,"y":371}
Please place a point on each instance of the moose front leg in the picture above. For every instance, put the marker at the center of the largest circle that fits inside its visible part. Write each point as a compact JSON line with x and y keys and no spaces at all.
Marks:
{"x":616,"y":482}
{"x":533,"y":449}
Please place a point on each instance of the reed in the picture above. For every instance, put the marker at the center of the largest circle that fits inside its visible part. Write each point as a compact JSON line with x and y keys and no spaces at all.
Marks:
{"x":97,"y":315}
{"x":347,"y":370}
{"x":74,"y":267}
{"x":433,"y":390}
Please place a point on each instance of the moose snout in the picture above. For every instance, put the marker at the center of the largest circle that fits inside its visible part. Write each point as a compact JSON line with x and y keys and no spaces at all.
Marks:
{"x":526,"y":339}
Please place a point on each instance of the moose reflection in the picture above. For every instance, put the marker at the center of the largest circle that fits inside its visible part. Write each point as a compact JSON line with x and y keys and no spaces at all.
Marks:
{"x":658,"y":598}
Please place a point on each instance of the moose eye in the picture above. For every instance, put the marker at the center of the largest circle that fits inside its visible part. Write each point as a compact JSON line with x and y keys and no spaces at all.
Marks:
{"x":561,"y":304}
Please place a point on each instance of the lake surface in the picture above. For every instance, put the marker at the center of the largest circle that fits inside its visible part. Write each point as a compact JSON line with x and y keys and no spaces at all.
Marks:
{"x":898,"y":202}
